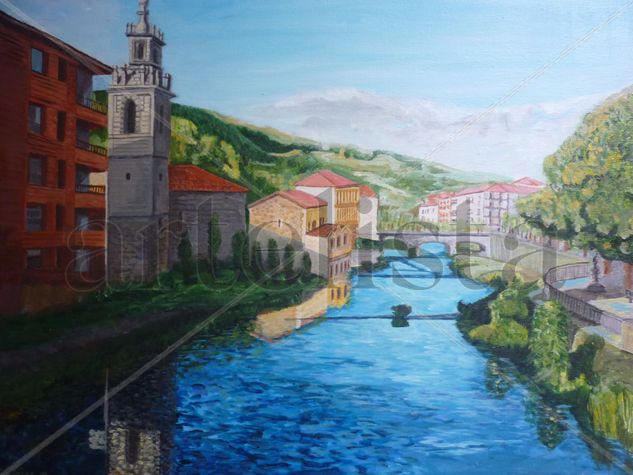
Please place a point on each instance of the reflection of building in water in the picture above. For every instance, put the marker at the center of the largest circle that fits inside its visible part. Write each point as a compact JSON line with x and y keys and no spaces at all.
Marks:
{"x":133,"y":450}
{"x":140,"y":425}
{"x":278,"y":324}
{"x":271,"y":326}
{"x":338,"y":292}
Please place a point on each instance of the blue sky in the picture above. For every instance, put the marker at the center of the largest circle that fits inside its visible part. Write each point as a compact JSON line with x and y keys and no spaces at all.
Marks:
{"x":271,"y":60}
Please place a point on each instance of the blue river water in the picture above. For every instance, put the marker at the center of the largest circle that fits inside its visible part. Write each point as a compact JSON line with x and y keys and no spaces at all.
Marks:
{"x":348,"y":395}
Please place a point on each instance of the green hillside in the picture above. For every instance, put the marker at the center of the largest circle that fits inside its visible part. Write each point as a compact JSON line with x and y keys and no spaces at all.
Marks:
{"x":265,"y":160}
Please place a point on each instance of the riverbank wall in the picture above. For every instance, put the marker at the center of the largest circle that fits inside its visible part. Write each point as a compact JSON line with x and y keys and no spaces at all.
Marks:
{"x":527,"y":255}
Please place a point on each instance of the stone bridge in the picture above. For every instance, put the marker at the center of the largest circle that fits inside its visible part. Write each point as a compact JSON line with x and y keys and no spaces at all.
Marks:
{"x":414,"y":239}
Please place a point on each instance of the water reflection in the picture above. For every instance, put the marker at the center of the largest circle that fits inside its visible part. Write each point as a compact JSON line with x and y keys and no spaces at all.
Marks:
{"x":139,"y":425}
{"x":271,"y":326}
{"x":499,"y":379}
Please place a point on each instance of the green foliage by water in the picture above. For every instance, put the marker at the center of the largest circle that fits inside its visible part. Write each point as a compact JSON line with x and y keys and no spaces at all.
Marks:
{"x":509,"y":313}
{"x":549,"y":348}
{"x":582,"y":359}
{"x":590,"y":176}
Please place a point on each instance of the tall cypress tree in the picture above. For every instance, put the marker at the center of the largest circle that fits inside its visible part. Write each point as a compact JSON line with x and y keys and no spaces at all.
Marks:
{"x":273,"y":257}
{"x":288,"y":264}
{"x":185,"y":255}
{"x":214,"y":239}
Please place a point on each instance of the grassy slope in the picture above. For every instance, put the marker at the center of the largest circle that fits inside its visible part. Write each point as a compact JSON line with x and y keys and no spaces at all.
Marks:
{"x":265,"y":159}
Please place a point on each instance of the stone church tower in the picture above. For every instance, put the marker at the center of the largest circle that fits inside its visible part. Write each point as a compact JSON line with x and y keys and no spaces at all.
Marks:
{"x":139,"y":117}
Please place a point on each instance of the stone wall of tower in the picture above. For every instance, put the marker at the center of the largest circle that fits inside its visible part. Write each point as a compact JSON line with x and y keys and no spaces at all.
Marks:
{"x":137,"y":248}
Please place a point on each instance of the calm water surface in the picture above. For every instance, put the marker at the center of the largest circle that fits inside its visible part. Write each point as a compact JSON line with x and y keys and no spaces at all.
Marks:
{"x":343,"y":395}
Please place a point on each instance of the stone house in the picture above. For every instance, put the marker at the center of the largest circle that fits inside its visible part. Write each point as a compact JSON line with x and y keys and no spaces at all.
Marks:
{"x":194,"y":196}
{"x":286,"y":217}
{"x":298,"y":218}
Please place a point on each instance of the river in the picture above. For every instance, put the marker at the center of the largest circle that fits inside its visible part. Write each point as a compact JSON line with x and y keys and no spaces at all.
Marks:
{"x":345,"y":394}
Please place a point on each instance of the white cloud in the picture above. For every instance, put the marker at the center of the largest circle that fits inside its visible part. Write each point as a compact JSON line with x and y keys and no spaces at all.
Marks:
{"x":511,"y":141}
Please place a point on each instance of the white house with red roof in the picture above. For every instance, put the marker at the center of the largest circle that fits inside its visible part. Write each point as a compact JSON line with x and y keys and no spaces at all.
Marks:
{"x":487,"y":204}
{"x":483,"y":204}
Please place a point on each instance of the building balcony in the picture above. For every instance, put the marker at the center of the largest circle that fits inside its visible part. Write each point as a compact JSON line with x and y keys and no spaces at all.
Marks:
{"x":93,"y":189}
{"x":87,"y":238}
{"x":92,"y":104}
{"x":90,"y":196}
{"x":87,"y":146}
{"x":92,"y":156}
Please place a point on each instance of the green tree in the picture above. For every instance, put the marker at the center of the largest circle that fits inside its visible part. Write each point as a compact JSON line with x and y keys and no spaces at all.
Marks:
{"x":257,"y":261}
{"x":273,"y":257}
{"x":288,"y":263}
{"x":214,"y":239}
{"x":306,"y":266}
{"x":185,"y":256}
{"x":239,"y":246}
{"x":548,"y":344}
{"x":590,"y":176}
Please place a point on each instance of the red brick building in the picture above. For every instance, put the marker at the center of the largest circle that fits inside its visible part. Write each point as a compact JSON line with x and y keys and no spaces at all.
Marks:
{"x":52,"y":193}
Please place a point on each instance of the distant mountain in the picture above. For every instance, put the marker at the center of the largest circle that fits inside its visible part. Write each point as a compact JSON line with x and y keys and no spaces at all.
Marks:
{"x":265,"y":159}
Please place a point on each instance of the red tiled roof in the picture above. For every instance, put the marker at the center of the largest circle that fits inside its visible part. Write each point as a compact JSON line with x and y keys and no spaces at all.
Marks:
{"x":193,"y":178}
{"x":367,"y":191}
{"x":527,"y":181}
{"x":499,"y":188}
{"x":305,"y":200}
{"x":325,"y":230}
{"x":442,"y":195}
{"x":473,"y":189}
{"x":326,"y":178}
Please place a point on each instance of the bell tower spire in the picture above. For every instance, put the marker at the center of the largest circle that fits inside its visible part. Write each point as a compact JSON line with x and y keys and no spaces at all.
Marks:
{"x":139,"y":117}
{"x":143,"y":13}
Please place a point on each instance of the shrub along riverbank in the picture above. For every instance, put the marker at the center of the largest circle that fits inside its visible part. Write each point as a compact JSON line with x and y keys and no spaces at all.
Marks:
{"x":538,"y":342}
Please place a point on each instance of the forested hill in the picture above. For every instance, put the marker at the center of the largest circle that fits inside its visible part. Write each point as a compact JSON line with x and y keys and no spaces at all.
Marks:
{"x":266,"y":160}
{"x":590,"y":198}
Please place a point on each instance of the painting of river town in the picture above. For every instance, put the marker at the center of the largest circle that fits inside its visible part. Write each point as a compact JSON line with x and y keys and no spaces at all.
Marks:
{"x":316,"y":237}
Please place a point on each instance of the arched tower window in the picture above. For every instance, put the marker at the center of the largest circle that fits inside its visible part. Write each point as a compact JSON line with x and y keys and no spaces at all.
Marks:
{"x":130,"y":117}
{"x":140,"y":50}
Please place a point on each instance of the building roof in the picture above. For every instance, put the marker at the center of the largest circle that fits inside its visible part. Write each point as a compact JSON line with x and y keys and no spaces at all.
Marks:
{"x":499,"y":188}
{"x":367,"y":191}
{"x":300,"y":198}
{"x":193,"y":178}
{"x":428,"y":203}
{"x":326,"y":178}
{"x":440,"y":196}
{"x":325,"y":230}
{"x":527,"y":181}
{"x":92,"y":64}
